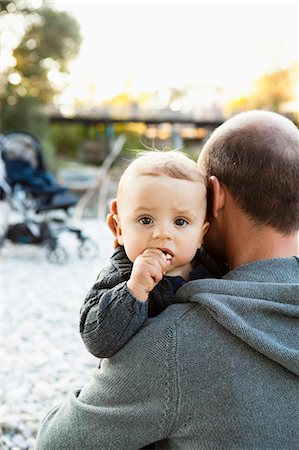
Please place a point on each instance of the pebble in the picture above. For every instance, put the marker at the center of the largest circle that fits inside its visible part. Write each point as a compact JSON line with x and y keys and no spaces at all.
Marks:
{"x":44,"y":357}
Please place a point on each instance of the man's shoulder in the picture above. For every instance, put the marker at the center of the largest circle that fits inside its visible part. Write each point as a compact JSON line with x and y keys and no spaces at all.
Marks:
{"x":158,"y":334}
{"x":170,"y":317}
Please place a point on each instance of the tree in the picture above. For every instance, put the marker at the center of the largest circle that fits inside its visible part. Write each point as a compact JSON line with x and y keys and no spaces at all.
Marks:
{"x":50,"y":40}
{"x":271,"y":91}
{"x":274,"y":89}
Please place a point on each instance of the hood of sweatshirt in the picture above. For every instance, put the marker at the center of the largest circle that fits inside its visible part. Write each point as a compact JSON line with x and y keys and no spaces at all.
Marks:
{"x":258,"y":303}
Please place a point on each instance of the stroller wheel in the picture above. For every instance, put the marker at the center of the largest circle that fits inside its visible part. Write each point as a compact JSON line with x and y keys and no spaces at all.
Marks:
{"x":88,"y":249}
{"x":57,"y":255}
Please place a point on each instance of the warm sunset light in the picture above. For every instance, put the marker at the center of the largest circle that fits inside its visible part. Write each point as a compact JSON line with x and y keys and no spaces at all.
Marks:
{"x":140,"y":46}
{"x":193,"y":57}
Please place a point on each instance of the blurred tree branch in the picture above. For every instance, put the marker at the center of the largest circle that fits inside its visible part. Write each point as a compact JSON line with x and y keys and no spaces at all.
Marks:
{"x":271,"y":91}
{"x":50,"y":39}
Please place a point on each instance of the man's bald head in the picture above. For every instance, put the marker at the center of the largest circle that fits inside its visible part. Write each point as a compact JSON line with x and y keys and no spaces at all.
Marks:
{"x":256,"y":155}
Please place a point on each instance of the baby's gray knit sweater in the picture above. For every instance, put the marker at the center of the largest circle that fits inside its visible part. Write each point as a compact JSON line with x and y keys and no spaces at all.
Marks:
{"x":111,"y":315}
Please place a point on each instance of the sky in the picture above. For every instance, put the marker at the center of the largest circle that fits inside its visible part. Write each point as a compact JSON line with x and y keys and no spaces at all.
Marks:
{"x":141,"y":45}
{"x":145,"y":46}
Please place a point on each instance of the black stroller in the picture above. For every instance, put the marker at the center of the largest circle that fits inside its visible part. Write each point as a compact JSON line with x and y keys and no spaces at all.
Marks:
{"x":32,"y":191}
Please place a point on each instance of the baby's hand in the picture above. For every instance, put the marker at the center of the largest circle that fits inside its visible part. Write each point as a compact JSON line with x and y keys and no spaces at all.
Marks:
{"x":148,"y":270}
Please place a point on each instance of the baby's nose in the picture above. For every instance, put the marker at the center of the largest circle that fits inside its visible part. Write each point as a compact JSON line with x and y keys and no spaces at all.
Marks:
{"x":162,"y":232}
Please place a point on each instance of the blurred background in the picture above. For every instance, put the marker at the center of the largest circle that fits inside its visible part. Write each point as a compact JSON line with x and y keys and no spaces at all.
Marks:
{"x":85,"y":84}
{"x":77,"y":74}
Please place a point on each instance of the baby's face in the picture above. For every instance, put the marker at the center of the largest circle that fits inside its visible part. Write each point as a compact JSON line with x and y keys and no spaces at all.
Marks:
{"x":164,"y":213}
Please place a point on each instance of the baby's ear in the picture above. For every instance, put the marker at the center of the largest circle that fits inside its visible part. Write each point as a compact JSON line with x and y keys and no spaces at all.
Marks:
{"x":205,"y":229}
{"x":117,"y":229}
{"x":113,"y":222}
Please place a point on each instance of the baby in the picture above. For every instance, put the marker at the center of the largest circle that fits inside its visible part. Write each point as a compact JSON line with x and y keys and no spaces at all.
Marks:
{"x":159,"y":226}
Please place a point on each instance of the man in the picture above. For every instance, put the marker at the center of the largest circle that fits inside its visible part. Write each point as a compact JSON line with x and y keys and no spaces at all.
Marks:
{"x":218,"y":370}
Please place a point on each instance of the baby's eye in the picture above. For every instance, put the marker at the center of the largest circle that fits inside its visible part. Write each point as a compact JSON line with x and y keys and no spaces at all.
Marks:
{"x":181,"y":222}
{"x":145,"y":221}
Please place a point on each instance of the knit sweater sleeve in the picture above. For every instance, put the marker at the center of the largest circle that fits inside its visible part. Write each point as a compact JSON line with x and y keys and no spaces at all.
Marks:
{"x":110,"y":315}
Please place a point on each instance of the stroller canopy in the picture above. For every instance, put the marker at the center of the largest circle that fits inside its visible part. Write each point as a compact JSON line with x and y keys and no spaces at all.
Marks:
{"x":24,"y":165}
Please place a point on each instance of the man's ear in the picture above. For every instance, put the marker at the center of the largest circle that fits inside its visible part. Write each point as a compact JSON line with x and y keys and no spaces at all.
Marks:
{"x":218,"y":195}
{"x":117,"y":229}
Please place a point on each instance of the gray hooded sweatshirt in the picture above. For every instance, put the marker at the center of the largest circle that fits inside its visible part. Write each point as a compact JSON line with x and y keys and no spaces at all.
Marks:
{"x":218,"y":370}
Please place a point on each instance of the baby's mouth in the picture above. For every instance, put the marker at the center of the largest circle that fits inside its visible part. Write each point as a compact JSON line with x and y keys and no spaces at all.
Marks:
{"x":168,"y":255}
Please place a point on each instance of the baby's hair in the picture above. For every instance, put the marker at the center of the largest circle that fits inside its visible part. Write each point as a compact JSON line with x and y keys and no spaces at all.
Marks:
{"x":173,"y":164}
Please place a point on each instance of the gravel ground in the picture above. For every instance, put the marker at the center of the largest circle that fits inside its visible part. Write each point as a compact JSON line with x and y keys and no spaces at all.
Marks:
{"x":43,"y":357}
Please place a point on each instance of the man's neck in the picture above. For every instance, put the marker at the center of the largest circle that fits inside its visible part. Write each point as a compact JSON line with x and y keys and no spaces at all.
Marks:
{"x":247,"y":242}
{"x":264,"y":246}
